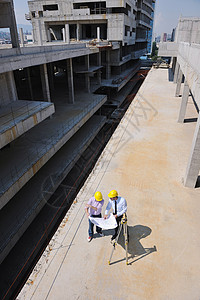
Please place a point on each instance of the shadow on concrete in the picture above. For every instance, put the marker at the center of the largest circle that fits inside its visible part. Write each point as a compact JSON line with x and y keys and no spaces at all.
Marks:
{"x":135,"y":248}
{"x":105,"y":232}
{"x":170,"y":75}
{"x":190,"y":120}
{"x":198,"y":182}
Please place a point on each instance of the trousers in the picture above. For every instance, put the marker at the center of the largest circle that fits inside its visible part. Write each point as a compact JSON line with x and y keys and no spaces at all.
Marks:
{"x":91,"y":226}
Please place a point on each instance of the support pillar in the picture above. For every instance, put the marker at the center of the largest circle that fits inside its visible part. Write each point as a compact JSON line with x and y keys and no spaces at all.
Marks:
{"x":30,"y":83}
{"x":63,"y":35}
{"x":12,"y":91}
{"x":98,"y":34}
{"x":99,"y":64}
{"x":13,"y":28}
{"x":70,"y":80}
{"x":49,"y":35}
{"x":193,"y":167}
{"x":108,"y":67}
{"x":178,"y":87}
{"x":39,"y":32}
{"x":177,"y":67}
{"x":78,"y":32}
{"x":67,"y":34}
{"x":50,"y":69}
{"x":184,"y":102}
{"x":21,"y":36}
{"x":87,"y":78}
{"x":174,"y":62}
{"x":45,"y":82}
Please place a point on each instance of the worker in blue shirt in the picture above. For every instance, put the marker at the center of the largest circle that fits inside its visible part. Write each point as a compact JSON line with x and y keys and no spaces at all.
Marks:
{"x":119,"y":207}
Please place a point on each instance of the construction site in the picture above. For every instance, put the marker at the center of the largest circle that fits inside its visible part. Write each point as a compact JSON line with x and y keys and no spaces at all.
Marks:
{"x":81,"y":113}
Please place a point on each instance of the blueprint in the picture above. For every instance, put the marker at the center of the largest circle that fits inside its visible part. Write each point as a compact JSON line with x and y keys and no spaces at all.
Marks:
{"x":109,"y":223}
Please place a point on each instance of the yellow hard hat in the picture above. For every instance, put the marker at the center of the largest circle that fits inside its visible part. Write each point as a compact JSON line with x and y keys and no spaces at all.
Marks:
{"x":98,"y":196}
{"x":113,"y":194}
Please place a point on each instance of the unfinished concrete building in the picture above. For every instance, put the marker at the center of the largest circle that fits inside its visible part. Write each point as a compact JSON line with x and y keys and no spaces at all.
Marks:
{"x":49,"y":98}
{"x":185,"y":54}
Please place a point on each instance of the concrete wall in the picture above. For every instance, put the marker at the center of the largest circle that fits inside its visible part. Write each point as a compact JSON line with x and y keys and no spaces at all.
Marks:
{"x":168,"y":49}
{"x":189,"y":60}
{"x":188,"y":30}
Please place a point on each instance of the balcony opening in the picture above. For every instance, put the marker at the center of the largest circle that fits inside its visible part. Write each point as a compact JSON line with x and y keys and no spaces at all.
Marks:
{"x":50,"y":7}
{"x":95,"y":7}
{"x":89,"y":31}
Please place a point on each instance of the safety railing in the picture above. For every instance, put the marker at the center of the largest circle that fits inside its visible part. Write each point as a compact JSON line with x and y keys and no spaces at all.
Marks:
{"x":16,"y":114}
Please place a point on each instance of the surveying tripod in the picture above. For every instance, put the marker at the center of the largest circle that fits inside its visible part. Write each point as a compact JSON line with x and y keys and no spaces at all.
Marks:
{"x":123,"y":224}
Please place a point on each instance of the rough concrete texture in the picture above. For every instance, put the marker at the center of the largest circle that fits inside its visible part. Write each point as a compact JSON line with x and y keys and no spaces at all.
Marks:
{"x":20,"y":116}
{"x":145,"y":161}
{"x":43,"y":141}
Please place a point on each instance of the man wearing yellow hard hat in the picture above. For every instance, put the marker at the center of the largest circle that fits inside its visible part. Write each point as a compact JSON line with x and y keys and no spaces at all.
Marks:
{"x":119,"y":206}
{"x":93,"y":209}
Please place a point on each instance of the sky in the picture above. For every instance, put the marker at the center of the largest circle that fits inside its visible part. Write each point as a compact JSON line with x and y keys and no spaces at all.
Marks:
{"x":167,"y":13}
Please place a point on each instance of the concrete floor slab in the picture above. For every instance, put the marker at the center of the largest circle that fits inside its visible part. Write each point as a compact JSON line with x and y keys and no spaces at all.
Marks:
{"x":145,"y":160}
{"x":32,"y":151}
{"x":122,"y":79}
{"x":20,"y":116}
{"x":17,"y":215}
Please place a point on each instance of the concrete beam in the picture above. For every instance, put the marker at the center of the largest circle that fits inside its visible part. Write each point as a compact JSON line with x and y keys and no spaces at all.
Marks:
{"x":184,"y":102}
{"x":193,"y":167}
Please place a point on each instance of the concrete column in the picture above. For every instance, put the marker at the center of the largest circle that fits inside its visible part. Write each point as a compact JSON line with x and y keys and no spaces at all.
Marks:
{"x":21,"y":34}
{"x":193,"y":167}
{"x":174,"y":61}
{"x":98,"y":34}
{"x":176,"y":72}
{"x":30,"y":83}
{"x":184,"y":102}
{"x":49,"y":35}
{"x":70,"y":80}
{"x":67,"y":34}
{"x":87,"y":78}
{"x":39,"y":32}
{"x":99,"y":64}
{"x":108,"y":67}
{"x":64,"y":35}
{"x":12,"y":91}
{"x":45,"y":82}
{"x":13,"y":28}
{"x":78,"y":32}
{"x":178,"y":87}
{"x":51,"y":76}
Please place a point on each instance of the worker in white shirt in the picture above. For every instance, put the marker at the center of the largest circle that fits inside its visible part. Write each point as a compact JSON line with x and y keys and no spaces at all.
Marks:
{"x":119,"y":206}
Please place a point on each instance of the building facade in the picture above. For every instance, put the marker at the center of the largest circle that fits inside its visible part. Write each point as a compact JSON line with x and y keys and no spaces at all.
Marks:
{"x":185,"y":53}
